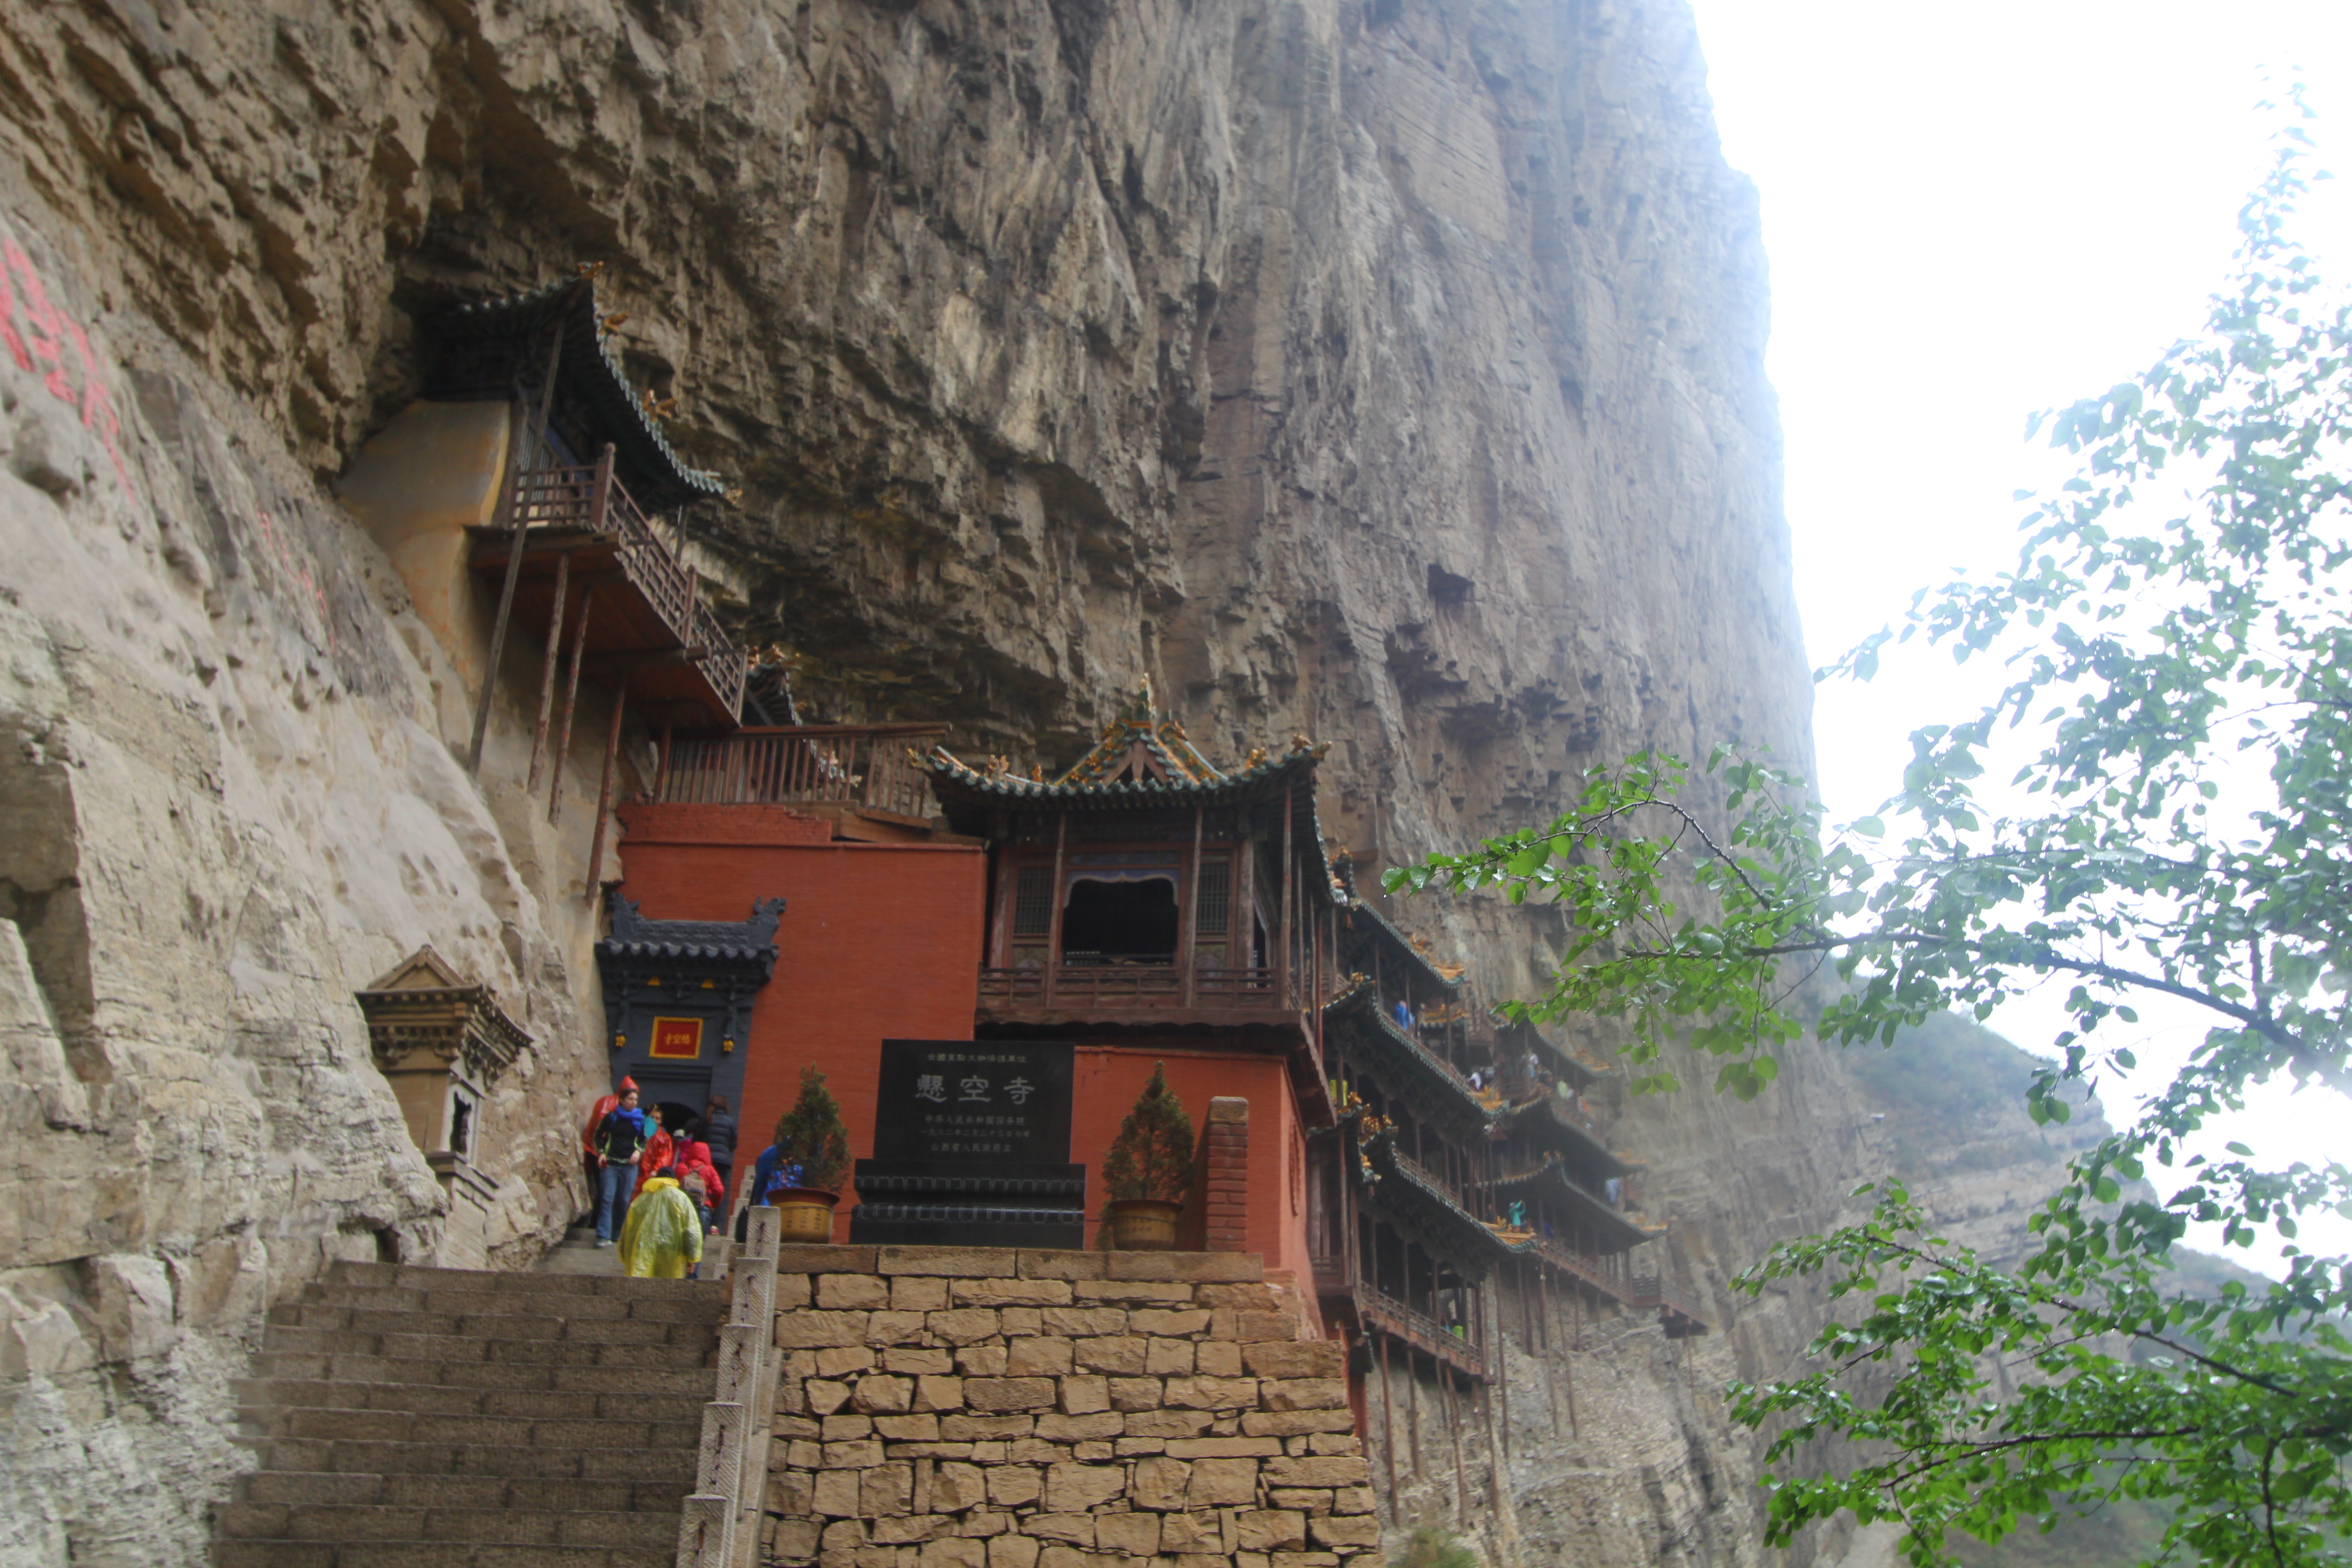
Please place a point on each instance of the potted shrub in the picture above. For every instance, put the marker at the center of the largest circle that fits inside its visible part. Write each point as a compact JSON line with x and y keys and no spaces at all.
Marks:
{"x":813,"y":1156}
{"x":1149,"y":1168}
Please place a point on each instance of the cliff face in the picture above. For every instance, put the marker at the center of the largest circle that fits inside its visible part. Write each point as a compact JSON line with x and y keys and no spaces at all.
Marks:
{"x":1389,"y":371}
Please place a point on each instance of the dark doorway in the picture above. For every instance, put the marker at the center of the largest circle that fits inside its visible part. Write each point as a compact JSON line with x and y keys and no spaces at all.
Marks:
{"x":1106,"y":921}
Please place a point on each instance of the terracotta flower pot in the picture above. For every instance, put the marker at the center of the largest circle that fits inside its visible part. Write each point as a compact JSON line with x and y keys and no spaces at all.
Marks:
{"x":805,"y":1213}
{"x":1143,"y":1225}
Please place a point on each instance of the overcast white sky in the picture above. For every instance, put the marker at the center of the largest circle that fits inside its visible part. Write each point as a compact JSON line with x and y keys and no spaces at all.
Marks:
{"x":1972,"y":213}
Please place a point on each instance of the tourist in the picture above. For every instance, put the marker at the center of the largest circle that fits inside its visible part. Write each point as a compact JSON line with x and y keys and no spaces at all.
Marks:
{"x":718,"y":1132}
{"x":660,"y":1147}
{"x":663,"y":1237}
{"x":596,"y":1114}
{"x":1403,"y":1013}
{"x":702,"y":1182}
{"x":620,"y":1145}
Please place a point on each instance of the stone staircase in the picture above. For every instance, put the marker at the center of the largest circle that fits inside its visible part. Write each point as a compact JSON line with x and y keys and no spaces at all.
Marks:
{"x":408,"y":1417}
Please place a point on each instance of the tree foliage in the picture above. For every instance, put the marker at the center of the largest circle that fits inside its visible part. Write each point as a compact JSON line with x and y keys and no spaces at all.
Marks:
{"x":2185,"y":689}
{"x":811,"y":1137}
{"x":1153,"y":1155}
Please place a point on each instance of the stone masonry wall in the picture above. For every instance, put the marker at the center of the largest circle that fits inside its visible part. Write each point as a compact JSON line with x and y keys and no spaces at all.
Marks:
{"x":977,"y":1407}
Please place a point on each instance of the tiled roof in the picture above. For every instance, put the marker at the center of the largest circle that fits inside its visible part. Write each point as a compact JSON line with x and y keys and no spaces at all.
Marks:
{"x":1409,"y":1199}
{"x":1437,"y":1087}
{"x":1551,"y":1177}
{"x":751,"y":943}
{"x":655,"y":474}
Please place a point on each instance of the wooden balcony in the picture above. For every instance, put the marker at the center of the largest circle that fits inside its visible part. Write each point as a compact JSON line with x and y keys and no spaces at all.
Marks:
{"x":584,"y":539}
{"x":1677,"y":1314}
{"x":868,"y":766}
{"x":1381,"y":1313}
{"x":1130,"y":993}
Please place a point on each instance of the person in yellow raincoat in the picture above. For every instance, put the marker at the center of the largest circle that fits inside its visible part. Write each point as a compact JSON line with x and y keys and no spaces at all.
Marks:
{"x":663,"y":1235}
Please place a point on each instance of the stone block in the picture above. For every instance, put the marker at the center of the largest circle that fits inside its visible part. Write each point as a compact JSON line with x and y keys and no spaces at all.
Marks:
{"x":1212,"y":1393}
{"x":1246,"y":1298}
{"x":801,"y":1455}
{"x":980,"y":1428}
{"x":1167,"y":1358}
{"x":797,"y":1538}
{"x":861,"y":1455}
{"x":1291,"y":1423}
{"x":824,"y":1396}
{"x":1193,"y":1267}
{"x":1217,"y":1358}
{"x":954,"y":1550}
{"x":1161,"y":1484}
{"x":1035,"y":1451}
{"x":1136,"y":1534}
{"x":1353,"y":1499}
{"x":1137,"y":1448}
{"x":957,"y":1487}
{"x":794,"y":1427}
{"x":1081,"y":1428}
{"x":1056,"y":1555}
{"x":916,"y":1293}
{"x":895,"y":1328}
{"x":1226,"y":1324}
{"x":1300,"y":1357}
{"x":793,"y":1492}
{"x":1009,"y":1551}
{"x":1074,"y":1488}
{"x":844,"y":1535}
{"x":1332,"y":1470}
{"x":1168,"y":1423}
{"x":1135,"y":1393}
{"x":1225,"y":1448}
{"x":835,"y":1494}
{"x":1313,"y":1559}
{"x":986,"y":1523}
{"x":1070,"y":1529}
{"x":846,"y":1428}
{"x":1094,"y":1451}
{"x":840,"y":1361}
{"x":801,"y":1259}
{"x":919,"y":1360}
{"x":1223,"y":1483}
{"x":1270,"y":1528}
{"x":1305,"y":1500}
{"x":1193,"y":1533}
{"x":1046,"y":1264}
{"x":997,"y":1394}
{"x":1084,"y":1395}
{"x":1021,"y":1322}
{"x":910,"y":1530}
{"x":879,"y":1393}
{"x":1015,"y":1486}
{"x":938,"y":1392}
{"x":844,"y":1292}
{"x":1173,"y":1322}
{"x":1332,"y":1443}
{"x":1155,"y":1293}
{"x":1346,"y":1530}
{"x":908,"y":1428}
{"x":1302,"y":1392}
{"x":814,"y":1329}
{"x":963,"y":1325}
{"x":1122,"y":1353}
{"x":947,"y":1262}
{"x":983,"y":1360}
{"x":792,"y":1292}
{"x":1083,"y":1322}
{"x":1011,"y":1292}
{"x":1037,"y":1357}
{"x":886,"y":1489}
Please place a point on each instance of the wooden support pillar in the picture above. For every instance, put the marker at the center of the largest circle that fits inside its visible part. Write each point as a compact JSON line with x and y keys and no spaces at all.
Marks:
{"x":510,"y":514}
{"x":1054,"y":930}
{"x":1387,"y":1419}
{"x":1498,"y":1409}
{"x":1188,"y":916}
{"x":604,"y":793}
{"x":547,"y":672}
{"x":570,"y":702}
{"x":661,"y":767}
{"x":1284,"y":918}
{"x":1453,"y":1430}
{"x":1413,"y":1404}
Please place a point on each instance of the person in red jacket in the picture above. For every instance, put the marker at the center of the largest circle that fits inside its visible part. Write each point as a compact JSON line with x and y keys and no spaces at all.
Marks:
{"x":660,"y":1149}
{"x":694,"y":1159}
{"x":602,"y":1109}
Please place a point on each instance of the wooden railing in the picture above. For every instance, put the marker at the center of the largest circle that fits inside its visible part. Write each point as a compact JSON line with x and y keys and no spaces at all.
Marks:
{"x":1122,"y":987}
{"x":1606,"y":1275}
{"x":1655,"y":1290}
{"x":1383,"y":1314}
{"x":592,"y":499}
{"x":847,"y":765}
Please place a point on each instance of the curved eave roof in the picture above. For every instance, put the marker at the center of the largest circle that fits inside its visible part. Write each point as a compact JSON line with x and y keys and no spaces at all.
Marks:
{"x":1417,"y":1205}
{"x":951,"y":777}
{"x":655,"y":474}
{"x":1403,"y":945}
{"x":1566,"y":1135}
{"x":1358,"y":1009}
{"x":686,"y":951}
{"x":1551,"y":1179}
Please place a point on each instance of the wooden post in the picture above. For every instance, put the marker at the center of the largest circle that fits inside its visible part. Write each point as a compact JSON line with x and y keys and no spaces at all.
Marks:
{"x":547,"y":674}
{"x":605,"y":795}
{"x":1413,"y":1404}
{"x":1282,"y":977}
{"x":571,"y":701}
{"x":1188,"y":916}
{"x":1388,"y":1417}
{"x":1454,"y":1429}
{"x":512,"y":516}
{"x":661,"y":768}
{"x":600,"y":498}
{"x":1054,"y":930}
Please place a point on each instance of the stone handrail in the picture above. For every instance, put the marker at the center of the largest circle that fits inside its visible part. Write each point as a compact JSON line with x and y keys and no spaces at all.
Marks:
{"x":730,"y":1469}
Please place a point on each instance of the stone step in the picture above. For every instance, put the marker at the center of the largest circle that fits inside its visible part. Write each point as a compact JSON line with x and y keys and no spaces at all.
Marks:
{"x":642,"y":1322}
{"x":268,"y":1421}
{"x":433,"y":1554}
{"x":620,"y":1398}
{"x":416,"y":1276}
{"x":685,"y":1300}
{"x":351,"y":1455}
{"x":307,"y":1366}
{"x":312,"y":1488}
{"x":354,"y":1522}
{"x":575,"y":1349}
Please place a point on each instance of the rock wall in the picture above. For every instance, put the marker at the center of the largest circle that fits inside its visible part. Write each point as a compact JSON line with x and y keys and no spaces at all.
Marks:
{"x":1389,"y":370}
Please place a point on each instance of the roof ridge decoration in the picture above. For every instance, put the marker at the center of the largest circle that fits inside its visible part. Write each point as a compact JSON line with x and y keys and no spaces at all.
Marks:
{"x":1143,"y":751}
{"x":572,"y":304}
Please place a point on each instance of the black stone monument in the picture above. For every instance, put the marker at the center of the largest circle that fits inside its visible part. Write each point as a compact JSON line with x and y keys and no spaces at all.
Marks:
{"x":972,"y":1148}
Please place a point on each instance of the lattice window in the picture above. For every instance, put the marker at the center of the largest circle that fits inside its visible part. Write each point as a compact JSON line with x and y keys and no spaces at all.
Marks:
{"x":1217,"y":897}
{"x":1033,"y":901}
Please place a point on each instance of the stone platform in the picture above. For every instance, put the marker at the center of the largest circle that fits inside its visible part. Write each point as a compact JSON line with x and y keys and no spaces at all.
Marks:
{"x":974,"y":1407}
